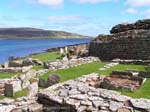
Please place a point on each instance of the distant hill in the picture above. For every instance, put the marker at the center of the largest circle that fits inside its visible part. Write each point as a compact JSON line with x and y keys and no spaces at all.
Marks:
{"x":29,"y":33}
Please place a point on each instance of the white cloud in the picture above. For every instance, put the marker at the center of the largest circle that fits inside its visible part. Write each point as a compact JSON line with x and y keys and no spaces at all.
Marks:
{"x":50,"y":3}
{"x":138,"y":3}
{"x":147,"y":13}
{"x":132,"y":11}
{"x":64,"y":18}
{"x":92,"y":1}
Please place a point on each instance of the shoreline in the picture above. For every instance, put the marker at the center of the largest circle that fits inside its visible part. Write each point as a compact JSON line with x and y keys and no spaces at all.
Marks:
{"x":46,"y":49}
{"x":55,"y":49}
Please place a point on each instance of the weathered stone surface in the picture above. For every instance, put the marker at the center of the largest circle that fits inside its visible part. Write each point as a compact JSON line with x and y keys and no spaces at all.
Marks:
{"x":32,"y":90}
{"x":115,"y":105}
{"x":141,"y":104}
{"x":11,"y":87}
{"x":7,"y":101}
{"x":42,"y":82}
{"x":6,"y":108}
{"x":53,"y":79}
{"x":124,"y":110}
{"x":35,"y":107}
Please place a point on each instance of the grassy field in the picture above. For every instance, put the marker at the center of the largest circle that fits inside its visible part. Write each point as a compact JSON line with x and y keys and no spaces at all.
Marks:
{"x":72,"y":73}
{"x":6,"y":75}
{"x":17,"y":94}
{"x":75,"y":72}
{"x":46,"y":56}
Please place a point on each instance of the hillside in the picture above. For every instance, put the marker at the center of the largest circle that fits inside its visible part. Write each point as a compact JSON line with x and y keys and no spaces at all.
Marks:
{"x":28,"y":33}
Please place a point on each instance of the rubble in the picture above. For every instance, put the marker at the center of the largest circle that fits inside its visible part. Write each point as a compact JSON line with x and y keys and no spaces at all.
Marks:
{"x":63,"y":64}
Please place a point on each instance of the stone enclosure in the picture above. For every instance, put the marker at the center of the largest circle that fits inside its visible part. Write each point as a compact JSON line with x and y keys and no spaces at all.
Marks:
{"x":82,"y":95}
{"x":127,"y":41}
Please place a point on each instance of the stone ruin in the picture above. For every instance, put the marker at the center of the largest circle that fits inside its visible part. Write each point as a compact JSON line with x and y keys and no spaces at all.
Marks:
{"x":8,"y":87}
{"x":73,"y":62}
{"x":127,"y":42}
{"x":82,"y":95}
{"x":128,"y":80}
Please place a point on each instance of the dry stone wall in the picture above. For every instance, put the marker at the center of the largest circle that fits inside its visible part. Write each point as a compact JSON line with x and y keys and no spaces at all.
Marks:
{"x":80,"y":95}
{"x":130,"y":44}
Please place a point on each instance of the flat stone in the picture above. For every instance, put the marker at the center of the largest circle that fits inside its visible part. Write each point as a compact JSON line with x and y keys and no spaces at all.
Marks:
{"x":87,"y":103}
{"x":74,"y":92}
{"x":100,"y":104}
{"x":82,"y":109}
{"x":141,"y":103}
{"x":114,"y":106}
{"x":79,"y":97}
{"x":74,"y":102}
{"x":7,"y":101}
{"x":123,"y":110}
{"x":6,"y":108}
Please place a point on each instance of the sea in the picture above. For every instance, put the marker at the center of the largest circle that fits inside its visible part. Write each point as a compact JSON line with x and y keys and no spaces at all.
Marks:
{"x":25,"y":47}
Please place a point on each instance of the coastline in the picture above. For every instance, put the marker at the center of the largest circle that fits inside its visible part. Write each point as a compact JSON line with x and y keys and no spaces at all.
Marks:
{"x":52,"y":46}
{"x":55,"y":49}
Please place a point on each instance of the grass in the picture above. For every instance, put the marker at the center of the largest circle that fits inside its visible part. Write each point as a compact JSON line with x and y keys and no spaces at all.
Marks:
{"x":142,"y":92}
{"x":21,"y":93}
{"x":46,"y":56}
{"x":72,"y":73}
{"x":123,"y":67}
{"x":6,"y":75}
{"x":17,"y":94}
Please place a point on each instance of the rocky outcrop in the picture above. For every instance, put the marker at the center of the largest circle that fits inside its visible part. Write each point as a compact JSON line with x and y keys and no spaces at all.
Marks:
{"x":141,"y":24}
{"x":124,"y":43}
{"x":80,"y":95}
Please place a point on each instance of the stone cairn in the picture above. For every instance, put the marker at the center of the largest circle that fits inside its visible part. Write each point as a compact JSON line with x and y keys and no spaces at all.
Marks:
{"x":126,"y":42}
{"x":81,"y":95}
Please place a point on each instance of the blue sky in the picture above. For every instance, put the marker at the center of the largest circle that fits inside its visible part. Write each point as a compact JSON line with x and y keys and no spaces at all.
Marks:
{"x":88,"y":17}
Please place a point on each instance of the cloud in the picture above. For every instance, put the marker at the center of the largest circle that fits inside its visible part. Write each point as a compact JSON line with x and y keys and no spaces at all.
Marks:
{"x":92,"y":1}
{"x":64,"y":18}
{"x":50,"y":3}
{"x":138,"y":3}
{"x":147,"y":13}
{"x":132,"y":11}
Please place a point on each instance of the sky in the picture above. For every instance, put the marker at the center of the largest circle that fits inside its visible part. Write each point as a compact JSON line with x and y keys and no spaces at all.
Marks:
{"x":87,"y":17}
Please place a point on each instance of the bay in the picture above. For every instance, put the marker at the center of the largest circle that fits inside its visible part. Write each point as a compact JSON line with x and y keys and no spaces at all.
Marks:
{"x":25,"y":47}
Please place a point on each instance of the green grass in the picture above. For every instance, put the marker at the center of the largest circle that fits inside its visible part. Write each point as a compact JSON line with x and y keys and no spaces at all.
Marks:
{"x":142,"y":92}
{"x":123,"y":67}
{"x":46,"y":56}
{"x":72,"y":73}
{"x":21,"y":93}
{"x":17,"y":94}
{"x":6,"y":75}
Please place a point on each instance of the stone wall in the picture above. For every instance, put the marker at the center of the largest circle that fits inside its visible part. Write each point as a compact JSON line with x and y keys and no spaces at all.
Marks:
{"x":80,"y":95}
{"x":130,"y":44}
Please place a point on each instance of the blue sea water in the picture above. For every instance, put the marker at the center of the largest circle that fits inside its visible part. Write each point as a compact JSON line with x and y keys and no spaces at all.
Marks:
{"x":21,"y":48}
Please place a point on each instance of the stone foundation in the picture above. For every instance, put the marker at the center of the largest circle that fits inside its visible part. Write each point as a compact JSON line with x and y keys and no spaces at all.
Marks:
{"x":73,"y":62}
{"x":81,"y":96}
